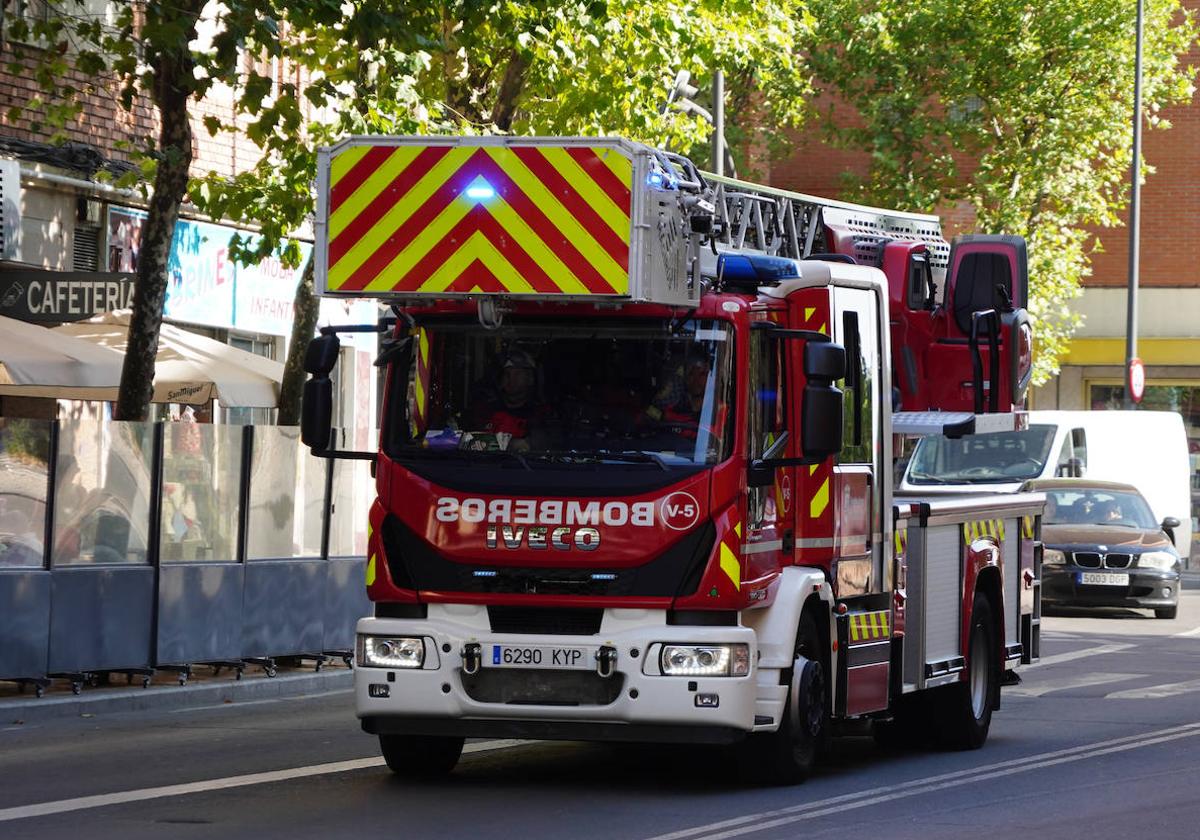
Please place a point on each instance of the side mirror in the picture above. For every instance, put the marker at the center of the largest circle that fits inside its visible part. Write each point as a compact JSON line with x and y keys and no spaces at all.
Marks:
{"x":824,"y":360}
{"x":322,"y":355}
{"x":1169,"y":524}
{"x":316,"y":413}
{"x":821,"y":421}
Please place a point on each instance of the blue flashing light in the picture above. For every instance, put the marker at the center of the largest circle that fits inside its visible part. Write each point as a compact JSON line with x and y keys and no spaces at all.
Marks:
{"x":481,"y":190}
{"x":603,"y":576}
{"x":660,"y":181}
{"x":754,"y":270}
{"x":484,"y":573}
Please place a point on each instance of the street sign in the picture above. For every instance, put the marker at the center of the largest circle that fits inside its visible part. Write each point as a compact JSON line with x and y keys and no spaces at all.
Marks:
{"x":1136,"y":380}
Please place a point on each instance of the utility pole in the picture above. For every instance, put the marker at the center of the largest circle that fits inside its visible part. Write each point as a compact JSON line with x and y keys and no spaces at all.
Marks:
{"x":1131,"y":325}
{"x":718,"y":122}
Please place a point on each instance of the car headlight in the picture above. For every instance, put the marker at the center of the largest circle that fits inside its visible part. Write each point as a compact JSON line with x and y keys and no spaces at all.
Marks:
{"x":1053,"y":557}
{"x":705,"y":660}
{"x":1162,"y":560}
{"x":389,"y":652}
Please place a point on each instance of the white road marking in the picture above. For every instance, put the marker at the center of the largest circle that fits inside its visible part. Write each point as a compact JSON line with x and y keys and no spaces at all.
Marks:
{"x":1080,"y":681}
{"x":1155,"y":692}
{"x":81,"y":803}
{"x":1195,"y":631}
{"x":1077,"y":654}
{"x":761,"y":821}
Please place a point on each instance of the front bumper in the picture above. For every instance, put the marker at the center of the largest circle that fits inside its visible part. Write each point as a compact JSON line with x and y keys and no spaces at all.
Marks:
{"x":1146,"y":588}
{"x":441,"y":698}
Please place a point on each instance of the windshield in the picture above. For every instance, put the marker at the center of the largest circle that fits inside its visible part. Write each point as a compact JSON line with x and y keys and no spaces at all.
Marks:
{"x":985,"y":458}
{"x":567,"y":392}
{"x":1097,"y":507}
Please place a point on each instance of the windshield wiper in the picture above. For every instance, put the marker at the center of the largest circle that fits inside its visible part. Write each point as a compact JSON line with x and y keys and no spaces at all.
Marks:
{"x":637,"y":456}
{"x":464,"y":455}
{"x":927,"y":478}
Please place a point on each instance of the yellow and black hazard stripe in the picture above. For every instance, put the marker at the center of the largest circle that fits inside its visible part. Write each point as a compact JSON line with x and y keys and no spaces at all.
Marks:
{"x":1027,"y":527}
{"x":981,"y":528}
{"x":869,"y":626}
{"x":470,"y":218}
{"x":900,"y":541}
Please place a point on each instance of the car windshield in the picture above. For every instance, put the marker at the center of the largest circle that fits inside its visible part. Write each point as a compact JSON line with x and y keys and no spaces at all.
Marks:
{"x":566,"y":392}
{"x":994,"y":457}
{"x":1097,"y":507}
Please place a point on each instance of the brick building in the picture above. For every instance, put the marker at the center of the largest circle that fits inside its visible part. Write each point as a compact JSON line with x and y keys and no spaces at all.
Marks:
{"x":66,"y":234}
{"x":1169,"y":300}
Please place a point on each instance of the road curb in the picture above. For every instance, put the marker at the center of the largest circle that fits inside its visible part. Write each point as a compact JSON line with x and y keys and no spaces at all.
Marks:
{"x":98,"y":701}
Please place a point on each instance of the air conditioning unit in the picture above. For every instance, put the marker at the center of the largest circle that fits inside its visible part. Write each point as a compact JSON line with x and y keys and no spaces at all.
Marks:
{"x":10,"y":208}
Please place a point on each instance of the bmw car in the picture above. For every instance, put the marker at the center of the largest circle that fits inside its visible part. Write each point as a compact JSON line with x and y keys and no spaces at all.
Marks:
{"x":1104,"y":548}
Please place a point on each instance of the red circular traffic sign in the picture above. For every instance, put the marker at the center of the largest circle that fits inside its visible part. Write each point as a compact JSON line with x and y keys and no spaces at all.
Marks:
{"x":1136,"y":380}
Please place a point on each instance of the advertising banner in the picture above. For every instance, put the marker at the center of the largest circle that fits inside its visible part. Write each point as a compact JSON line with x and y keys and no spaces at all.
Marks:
{"x":204,"y":286}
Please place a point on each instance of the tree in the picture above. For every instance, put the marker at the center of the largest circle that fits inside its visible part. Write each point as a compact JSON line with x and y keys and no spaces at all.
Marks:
{"x":149,"y":50}
{"x":1020,"y":111}
{"x":464,"y":66}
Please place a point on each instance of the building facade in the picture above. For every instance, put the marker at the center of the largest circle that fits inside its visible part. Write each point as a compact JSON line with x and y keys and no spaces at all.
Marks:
{"x":69,"y":240}
{"x":1092,"y":374}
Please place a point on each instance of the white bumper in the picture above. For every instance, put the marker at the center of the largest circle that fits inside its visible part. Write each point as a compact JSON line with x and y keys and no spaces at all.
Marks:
{"x":432,"y":698}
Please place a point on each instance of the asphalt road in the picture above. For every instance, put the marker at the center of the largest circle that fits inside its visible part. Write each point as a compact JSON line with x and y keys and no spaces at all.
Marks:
{"x":1101,"y":740}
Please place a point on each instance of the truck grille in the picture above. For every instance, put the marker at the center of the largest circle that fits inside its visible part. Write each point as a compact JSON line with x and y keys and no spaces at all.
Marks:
{"x":1096,"y":560}
{"x":414,"y":564}
{"x":535,"y":687}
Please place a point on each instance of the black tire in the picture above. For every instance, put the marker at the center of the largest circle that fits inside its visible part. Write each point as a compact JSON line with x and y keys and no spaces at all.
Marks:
{"x":965,"y":709}
{"x":1166,"y":612}
{"x":420,"y":756}
{"x":788,"y":755}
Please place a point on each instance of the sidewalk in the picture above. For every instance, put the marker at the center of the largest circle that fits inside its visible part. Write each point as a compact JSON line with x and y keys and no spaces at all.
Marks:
{"x":204,"y":688}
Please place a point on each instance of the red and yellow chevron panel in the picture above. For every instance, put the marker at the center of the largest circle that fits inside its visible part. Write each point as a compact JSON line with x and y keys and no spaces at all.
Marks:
{"x":479,"y":219}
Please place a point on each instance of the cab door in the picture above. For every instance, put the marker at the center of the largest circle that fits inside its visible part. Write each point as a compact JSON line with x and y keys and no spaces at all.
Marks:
{"x":769,"y":509}
{"x":861,"y":571}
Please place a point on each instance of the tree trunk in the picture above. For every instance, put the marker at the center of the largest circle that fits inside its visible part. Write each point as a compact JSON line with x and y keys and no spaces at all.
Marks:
{"x":173,"y":83}
{"x":307,"y":307}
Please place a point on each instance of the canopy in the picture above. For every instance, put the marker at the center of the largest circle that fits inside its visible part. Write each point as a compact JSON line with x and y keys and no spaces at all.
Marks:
{"x":189,"y":368}
{"x":37,"y":362}
{"x":82,"y":361}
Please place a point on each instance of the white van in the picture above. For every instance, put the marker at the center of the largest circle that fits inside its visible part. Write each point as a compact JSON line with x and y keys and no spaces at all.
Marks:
{"x":1147,"y":449}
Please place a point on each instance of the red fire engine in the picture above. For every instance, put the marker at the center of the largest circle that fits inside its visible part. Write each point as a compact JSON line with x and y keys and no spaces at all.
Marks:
{"x":635,"y":467}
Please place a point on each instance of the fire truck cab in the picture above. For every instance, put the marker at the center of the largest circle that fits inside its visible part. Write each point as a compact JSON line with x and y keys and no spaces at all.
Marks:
{"x":636,"y":461}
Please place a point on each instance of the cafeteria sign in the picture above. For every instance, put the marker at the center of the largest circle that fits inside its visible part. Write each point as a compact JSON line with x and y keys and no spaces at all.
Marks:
{"x":56,"y":297}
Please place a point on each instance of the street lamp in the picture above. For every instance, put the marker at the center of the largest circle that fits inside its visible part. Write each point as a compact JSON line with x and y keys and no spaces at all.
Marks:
{"x":680,"y":97}
{"x":1131,"y":357}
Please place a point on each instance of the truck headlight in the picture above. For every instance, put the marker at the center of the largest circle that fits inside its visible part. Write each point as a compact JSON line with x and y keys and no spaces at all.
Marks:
{"x":390,"y":652}
{"x":1161,"y":560}
{"x":1053,"y":557}
{"x":705,"y":660}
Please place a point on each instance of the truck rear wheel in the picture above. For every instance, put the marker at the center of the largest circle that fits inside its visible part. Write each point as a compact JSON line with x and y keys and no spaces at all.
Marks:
{"x":966,"y":707}
{"x":787,"y":755}
{"x":420,"y":756}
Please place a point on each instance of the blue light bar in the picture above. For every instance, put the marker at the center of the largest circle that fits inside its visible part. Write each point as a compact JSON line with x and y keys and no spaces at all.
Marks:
{"x":756,"y":270}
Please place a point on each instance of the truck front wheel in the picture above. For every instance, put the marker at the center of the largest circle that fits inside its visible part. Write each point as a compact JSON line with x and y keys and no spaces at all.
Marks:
{"x":788,"y":755}
{"x":420,"y":756}
{"x":966,"y":707}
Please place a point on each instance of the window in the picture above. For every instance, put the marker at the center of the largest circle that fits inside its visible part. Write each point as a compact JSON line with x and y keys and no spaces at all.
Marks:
{"x":768,"y":413}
